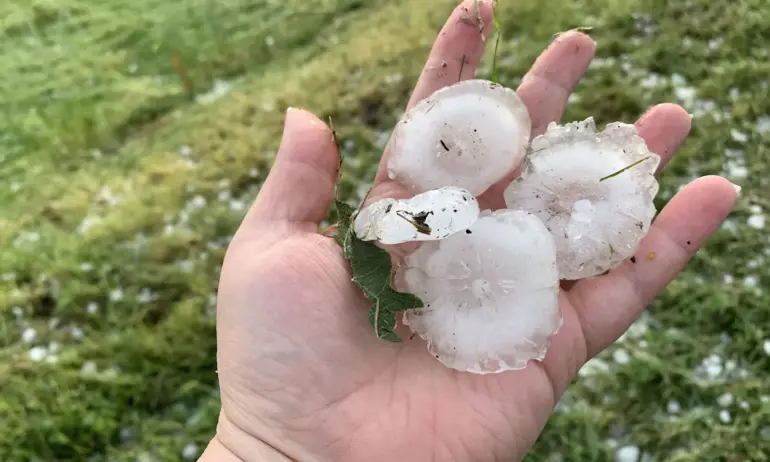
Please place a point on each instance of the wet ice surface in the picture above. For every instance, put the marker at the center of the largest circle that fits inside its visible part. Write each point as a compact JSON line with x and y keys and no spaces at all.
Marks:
{"x":468,"y":135}
{"x":490,"y":294}
{"x":432,"y":215}
{"x":596,"y":221}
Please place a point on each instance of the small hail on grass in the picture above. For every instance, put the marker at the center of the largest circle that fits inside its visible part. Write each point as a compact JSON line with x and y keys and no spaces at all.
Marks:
{"x":38,"y":353}
{"x":29,"y":335}
{"x":88,"y":367}
{"x":627,"y":453}
{"x":190,"y":451}
{"x":92,"y":308}
{"x":488,"y":280}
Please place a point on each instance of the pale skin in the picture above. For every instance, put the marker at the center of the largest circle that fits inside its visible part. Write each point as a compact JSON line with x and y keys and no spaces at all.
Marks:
{"x":302,"y":375}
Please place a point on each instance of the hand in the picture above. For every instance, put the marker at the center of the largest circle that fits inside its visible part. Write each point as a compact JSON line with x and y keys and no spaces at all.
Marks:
{"x":302,"y":375}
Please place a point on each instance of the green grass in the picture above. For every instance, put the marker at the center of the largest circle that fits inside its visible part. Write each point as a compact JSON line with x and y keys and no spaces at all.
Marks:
{"x":107,"y":155}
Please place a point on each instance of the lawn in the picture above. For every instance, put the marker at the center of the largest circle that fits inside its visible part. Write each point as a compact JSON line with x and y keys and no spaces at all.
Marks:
{"x":134,"y":135}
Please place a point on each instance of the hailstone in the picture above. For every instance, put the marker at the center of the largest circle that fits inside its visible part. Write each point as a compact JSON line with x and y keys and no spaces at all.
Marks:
{"x":596,"y":215}
{"x":490,"y":294}
{"x":434,"y":214}
{"x":468,"y":135}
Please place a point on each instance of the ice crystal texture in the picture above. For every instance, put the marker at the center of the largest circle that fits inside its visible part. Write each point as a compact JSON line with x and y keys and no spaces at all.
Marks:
{"x":490,"y":294}
{"x":468,"y":135}
{"x":434,"y":214}
{"x":596,"y":218}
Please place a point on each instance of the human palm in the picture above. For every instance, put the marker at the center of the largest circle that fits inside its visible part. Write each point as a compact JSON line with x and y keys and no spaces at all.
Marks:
{"x":302,"y":375}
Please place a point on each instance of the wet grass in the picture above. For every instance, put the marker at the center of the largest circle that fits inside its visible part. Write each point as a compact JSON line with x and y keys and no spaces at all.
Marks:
{"x":133,"y":135}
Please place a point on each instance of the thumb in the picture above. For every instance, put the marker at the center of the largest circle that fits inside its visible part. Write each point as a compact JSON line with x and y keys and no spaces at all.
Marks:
{"x":300,"y":186}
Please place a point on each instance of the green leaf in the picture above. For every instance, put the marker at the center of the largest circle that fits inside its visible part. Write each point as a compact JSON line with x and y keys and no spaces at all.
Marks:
{"x":384,"y":323}
{"x":372,"y":272}
{"x":345,"y":219}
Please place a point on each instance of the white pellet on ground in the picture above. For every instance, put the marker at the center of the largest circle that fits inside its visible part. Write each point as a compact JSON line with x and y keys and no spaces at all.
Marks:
{"x":28,"y":335}
{"x":116,"y":294}
{"x":88,"y":367}
{"x":711,"y":367}
{"x":38,"y":353}
{"x":621,"y":356}
{"x":596,"y":215}
{"x":627,"y":454}
{"x":190,"y":451}
{"x":92,"y":308}
{"x":469,"y":135}
{"x":77,"y":333}
{"x":126,"y":434}
{"x":725,"y":400}
{"x":486,"y":309}
{"x":763,"y":125}
{"x":725,"y":417}
{"x":432,"y":215}
{"x":673,"y":407}
{"x":739,"y":136}
{"x":756,"y":221}
{"x":145,"y":296}
{"x":766,"y":347}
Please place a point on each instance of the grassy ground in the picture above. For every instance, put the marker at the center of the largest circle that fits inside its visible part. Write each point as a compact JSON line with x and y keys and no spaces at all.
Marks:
{"x":133,"y":135}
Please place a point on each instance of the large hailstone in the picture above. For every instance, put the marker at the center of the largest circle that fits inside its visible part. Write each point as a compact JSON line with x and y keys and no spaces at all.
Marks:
{"x":491,"y":295}
{"x":468,"y":135}
{"x":432,"y":215}
{"x":596,"y":219}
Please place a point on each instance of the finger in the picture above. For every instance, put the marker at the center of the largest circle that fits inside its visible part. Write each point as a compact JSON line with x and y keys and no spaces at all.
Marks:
{"x":608,"y":304}
{"x":454,"y":57}
{"x":300,"y":186}
{"x":664,"y":127}
{"x":553,"y":77}
{"x":457,"y":50}
{"x":545,"y":89}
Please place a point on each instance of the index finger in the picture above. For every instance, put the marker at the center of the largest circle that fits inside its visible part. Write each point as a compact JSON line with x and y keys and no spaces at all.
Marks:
{"x":454,"y":57}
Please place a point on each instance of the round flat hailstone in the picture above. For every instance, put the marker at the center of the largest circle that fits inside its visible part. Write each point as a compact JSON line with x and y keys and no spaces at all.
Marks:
{"x":596,"y":215}
{"x":491,"y":296}
{"x":432,"y":215}
{"x":468,"y":135}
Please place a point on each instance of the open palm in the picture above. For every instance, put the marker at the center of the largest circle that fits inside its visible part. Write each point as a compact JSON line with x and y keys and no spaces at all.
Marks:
{"x":301,"y":373}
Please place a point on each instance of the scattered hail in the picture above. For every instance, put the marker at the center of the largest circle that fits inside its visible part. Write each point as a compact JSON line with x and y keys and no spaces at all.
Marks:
{"x":489,"y":280}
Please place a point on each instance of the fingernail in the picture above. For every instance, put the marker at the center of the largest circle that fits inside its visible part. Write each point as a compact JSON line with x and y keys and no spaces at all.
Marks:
{"x":737,"y":188}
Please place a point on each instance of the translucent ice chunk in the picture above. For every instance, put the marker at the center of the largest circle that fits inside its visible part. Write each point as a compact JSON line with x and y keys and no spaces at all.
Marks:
{"x":434,"y":214}
{"x":597,"y":218}
{"x":491,"y":294}
{"x":468,"y":135}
